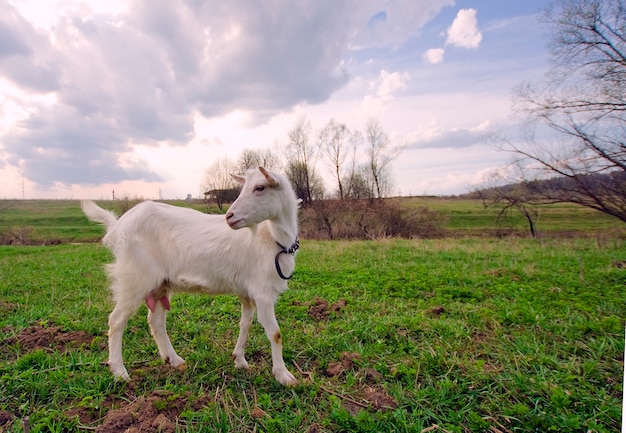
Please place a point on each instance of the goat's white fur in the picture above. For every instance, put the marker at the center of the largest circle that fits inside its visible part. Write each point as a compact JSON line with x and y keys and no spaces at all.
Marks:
{"x":161,"y":249}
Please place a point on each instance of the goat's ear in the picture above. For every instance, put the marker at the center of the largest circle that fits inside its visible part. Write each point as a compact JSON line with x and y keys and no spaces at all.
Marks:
{"x":270,"y":179}
{"x":240,"y":179}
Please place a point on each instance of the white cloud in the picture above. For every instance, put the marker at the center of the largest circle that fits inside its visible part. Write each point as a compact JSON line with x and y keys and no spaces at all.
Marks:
{"x":179,"y":58}
{"x":386,"y":86}
{"x":389,"y":83}
{"x":446,"y":171}
{"x":438,"y":136}
{"x":463,"y":32}
{"x":197,"y":81}
{"x":434,"y":55}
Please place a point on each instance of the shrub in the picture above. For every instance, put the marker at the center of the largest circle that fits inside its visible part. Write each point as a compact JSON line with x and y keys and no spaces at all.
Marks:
{"x":16,"y":236}
{"x":364,"y":219}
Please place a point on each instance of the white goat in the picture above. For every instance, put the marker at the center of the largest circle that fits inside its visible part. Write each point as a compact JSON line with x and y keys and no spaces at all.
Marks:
{"x":161,"y":249}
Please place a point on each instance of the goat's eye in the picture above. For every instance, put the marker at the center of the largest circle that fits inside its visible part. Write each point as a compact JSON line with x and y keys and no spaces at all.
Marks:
{"x":259,"y":188}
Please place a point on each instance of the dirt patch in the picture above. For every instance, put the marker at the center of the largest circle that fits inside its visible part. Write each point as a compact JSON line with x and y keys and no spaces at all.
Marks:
{"x":369,"y":398}
{"x":435,"y":311}
{"x":5,"y":418}
{"x":334,"y":369}
{"x":320,"y":309}
{"x":89,"y":414}
{"x":502,"y":273}
{"x":315,"y":428}
{"x":379,"y":399}
{"x":369,"y":376}
{"x":338,"y":306}
{"x":47,"y":336}
{"x":159,"y":412}
{"x":258,"y":413}
{"x":7,"y":307}
{"x":347,"y":360}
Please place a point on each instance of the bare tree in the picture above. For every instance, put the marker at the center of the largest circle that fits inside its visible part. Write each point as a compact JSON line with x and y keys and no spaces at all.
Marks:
{"x":301,"y":160}
{"x":218,"y":183}
{"x":508,"y":191}
{"x":583,"y":102}
{"x":338,"y":143}
{"x":361,"y":185}
{"x":253,"y":158}
{"x":380,"y":153}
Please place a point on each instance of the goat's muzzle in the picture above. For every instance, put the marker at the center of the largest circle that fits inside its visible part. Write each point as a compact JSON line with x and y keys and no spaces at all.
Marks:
{"x":232,"y":221}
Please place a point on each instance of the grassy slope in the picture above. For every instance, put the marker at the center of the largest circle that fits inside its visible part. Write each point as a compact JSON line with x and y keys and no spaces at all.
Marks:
{"x":463,"y":334}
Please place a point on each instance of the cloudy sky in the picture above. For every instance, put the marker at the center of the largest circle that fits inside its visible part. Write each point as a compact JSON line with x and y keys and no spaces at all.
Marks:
{"x":140,"y":96}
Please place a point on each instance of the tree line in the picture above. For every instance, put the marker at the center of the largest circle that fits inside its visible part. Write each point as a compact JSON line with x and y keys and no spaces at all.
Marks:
{"x":357,"y":164}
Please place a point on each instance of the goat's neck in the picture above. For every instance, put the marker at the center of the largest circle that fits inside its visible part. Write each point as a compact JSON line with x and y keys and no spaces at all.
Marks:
{"x":284,"y":229}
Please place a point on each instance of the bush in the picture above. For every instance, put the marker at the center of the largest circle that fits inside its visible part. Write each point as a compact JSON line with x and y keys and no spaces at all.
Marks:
{"x":364,"y":219}
{"x":16,"y":236}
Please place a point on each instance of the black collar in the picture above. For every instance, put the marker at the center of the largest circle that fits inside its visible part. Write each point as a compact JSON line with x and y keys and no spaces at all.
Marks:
{"x":284,"y":250}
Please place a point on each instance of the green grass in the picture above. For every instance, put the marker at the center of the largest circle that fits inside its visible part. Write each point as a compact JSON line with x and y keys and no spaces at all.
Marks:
{"x":464,"y":334}
{"x":466,"y":216}
{"x":50,"y":221}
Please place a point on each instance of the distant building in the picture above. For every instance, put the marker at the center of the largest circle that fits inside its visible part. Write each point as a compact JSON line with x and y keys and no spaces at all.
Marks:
{"x":221,"y":196}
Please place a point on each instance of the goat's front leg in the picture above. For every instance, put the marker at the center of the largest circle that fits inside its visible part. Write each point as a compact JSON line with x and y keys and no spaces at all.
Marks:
{"x":267,"y":318}
{"x":247,"y":314}
{"x":156,"y":320}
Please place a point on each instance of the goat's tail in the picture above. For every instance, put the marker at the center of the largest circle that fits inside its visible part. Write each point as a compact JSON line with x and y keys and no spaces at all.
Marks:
{"x":96,"y":214}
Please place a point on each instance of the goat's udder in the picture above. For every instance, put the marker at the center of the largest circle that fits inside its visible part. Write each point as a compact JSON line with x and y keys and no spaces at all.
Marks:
{"x":151,"y":301}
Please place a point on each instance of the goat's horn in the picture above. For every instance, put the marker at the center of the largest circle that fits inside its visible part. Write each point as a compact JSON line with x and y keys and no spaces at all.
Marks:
{"x":268,"y":176}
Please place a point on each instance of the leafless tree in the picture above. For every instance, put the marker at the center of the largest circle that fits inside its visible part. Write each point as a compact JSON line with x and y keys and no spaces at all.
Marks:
{"x":380,"y":153}
{"x":509,"y":192}
{"x":338,"y":143}
{"x":253,"y":158}
{"x":219,"y":182}
{"x":301,"y":160}
{"x":351,"y":179}
{"x":582,"y":102}
{"x":360,"y":184}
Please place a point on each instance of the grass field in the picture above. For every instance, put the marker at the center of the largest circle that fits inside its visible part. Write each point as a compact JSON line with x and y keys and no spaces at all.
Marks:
{"x":54,"y":221}
{"x":467,"y":216}
{"x":445,"y":335}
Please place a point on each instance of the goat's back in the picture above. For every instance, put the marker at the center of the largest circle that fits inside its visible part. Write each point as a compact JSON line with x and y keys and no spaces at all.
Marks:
{"x":175,"y":244}
{"x":163,"y":225}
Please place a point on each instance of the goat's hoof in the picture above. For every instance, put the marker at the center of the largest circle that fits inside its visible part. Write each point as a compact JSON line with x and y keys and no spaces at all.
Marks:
{"x":241,"y":363}
{"x":286,"y":378}
{"x":120,"y":374}
{"x":176,"y":362}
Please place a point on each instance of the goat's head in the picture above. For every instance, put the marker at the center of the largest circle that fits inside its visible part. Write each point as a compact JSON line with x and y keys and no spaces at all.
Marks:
{"x":264,"y":195}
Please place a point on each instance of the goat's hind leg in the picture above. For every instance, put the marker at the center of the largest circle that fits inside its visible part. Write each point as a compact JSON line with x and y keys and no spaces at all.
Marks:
{"x":156,"y":320}
{"x":247,"y":314}
{"x":117,"y":323}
